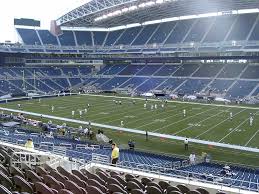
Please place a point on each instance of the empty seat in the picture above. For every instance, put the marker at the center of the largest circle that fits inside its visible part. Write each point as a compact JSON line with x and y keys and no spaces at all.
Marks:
{"x":80,"y":175}
{"x":137,"y":191}
{"x":139,"y":183}
{"x":153,"y":190}
{"x":145,"y":180}
{"x":5,"y":181}
{"x":63,"y":171}
{"x":94,"y":190}
{"x":202,"y":191}
{"x":96,"y":177}
{"x":58,"y":176}
{"x":41,"y":171}
{"x":77,"y":180}
{"x":194,"y":192}
{"x":53,"y":183}
{"x":33,"y":177}
{"x":4,"y":170}
{"x":95,"y":183}
{"x":16,"y":171}
{"x":112,"y":180}
{"x":47,"y":167}
{"x":41,"y":188}
{"x":65,"y":191}
{"x":172,"y":188}
{"x":154,"y":184}
{"x":132,"y":185}
{"x":22,"y":185}
{"x":128,"y":177}
{"x":116,"y":188}
{"x":4,"y":190}
{"x":74,"y":188}
{"x":121,"y":180}
{"x":183,"y":188}
{"x":163,"y":185}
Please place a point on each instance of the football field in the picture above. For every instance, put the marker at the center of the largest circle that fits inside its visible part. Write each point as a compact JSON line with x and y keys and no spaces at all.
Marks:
{"x":205,"y":122}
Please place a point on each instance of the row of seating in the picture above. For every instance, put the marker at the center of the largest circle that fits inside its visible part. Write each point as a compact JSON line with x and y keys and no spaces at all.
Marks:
{"x":212,"y":29}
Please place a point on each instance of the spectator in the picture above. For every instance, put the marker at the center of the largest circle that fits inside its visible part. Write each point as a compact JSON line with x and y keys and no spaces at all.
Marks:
{"x":146,"y":136}
{"x":29,"y":144}
{"x":186,"y":142}
{"x":192,"y":158}
{"x":115,"y":153}
{"x":131,"y":145}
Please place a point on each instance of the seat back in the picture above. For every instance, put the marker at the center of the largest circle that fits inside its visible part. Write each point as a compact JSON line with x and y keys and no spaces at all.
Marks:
{"x":41,"y":188}
{"x":4,"y":170}
{"x":53,"y":183}
{"x":22,"y":184}
{"x":116,"y":188}
{"x":163,"y":185}
{"x":5,"y":181}
{"x":58,"y":176}
{"x":80,"y":175}
{"x":64,"y":191}
{"x":153,"y":190}
{"x":77,"y":180}
{"x":95,"y":183}
{"x":32,"y":176}
{"x":94,"y":190}
{"x":202,"y":191}
{"x":16,"y":171}
{"x":183,"y":188}
{"x":4,"y":190}
{"x":73,"y":187}
{"x":145,"y":180}
{"x":41,"y":171}
{"x":63,"y":171}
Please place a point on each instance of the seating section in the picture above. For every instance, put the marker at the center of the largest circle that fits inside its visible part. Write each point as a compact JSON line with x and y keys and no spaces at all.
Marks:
{"x":242,"y":88}
{"x":252,"y":72}
{"x":29,"y":36}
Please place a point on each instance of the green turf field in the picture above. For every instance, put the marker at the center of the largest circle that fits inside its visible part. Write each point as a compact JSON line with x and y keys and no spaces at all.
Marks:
{"x":205,"y":122}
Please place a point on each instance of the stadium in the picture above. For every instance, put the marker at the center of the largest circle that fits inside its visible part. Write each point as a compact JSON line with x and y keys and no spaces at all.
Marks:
{"x":133,"y":97}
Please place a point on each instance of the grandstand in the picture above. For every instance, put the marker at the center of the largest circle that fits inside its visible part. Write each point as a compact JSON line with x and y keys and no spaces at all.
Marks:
{"x":152,"y":72}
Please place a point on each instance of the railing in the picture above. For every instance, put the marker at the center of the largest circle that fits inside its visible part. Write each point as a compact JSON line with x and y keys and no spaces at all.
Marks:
{"x":188,"y":176}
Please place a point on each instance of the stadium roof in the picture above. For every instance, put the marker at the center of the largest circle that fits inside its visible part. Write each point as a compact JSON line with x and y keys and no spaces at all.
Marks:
{"x":112,"y":13}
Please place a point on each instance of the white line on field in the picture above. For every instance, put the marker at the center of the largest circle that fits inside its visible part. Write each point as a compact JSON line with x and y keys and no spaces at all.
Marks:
{"x":252,"y":137}
{"x":199,"y":122}
{"x":184,"y":119}
{"x":233,"y":130}
{"x":218,"y":124}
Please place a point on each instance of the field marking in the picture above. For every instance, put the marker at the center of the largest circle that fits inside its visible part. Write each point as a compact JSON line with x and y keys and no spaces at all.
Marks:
{"x":252,"y":137}
{"x":159,"y":135}
{"x":198,"y":122}
{"x":236,"y":128}
{"x":179,"y":102}
{"x":183,"y":119}
{"x":218,"y":124}
{"x":164,"y":118}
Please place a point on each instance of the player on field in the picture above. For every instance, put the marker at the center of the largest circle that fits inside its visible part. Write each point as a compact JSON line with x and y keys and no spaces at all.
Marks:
{"x":134,"y":102}
{"x":122,"y":124}
{"x":184,"y":113}
{"x":231,"y":116}
{"x":152,"y":107}
{"x":39,"y":100}
{"x":80,"y":113}
{"x":119,"y":102}
{"x":73,"y":113}
{"x":251,"y":119}
{"x":155,"y":106}
{"x":162,"y":106}
{"x":85,"y":110}
{"x":88,"y":105}
{"x":19,"y":105}
{"x":52,"y":108}
{"x":145,"y":106}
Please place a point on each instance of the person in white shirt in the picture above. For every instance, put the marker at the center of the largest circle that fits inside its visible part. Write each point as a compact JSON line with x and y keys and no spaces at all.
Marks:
{"x":231,"y":116}
{"x":186,"y":142}
{"x":73,"y":113}
{"x":122,"y":123}
{"x":80,"y":113}
{"x":155,"y":106}
{"x":184,"y":113}
{"x":52,"y":108}
{"x":86,"y":131}
{"x":85,"y":110}
{"x":145,"y":106}
{"x":192,"y":158}
{"x":251,"y":119}
{"x":152,"y":107}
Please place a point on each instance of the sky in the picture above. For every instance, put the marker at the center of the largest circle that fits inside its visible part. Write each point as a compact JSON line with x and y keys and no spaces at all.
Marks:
{"x":43,"y":10}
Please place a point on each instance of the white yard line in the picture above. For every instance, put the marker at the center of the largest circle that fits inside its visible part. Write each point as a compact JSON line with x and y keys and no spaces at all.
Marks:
{"x":252,"y":137}
{"x":183,"y":119}
{"x":179,"y":102}
{"x":218,"y":124}
{"x":198,"y":122}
